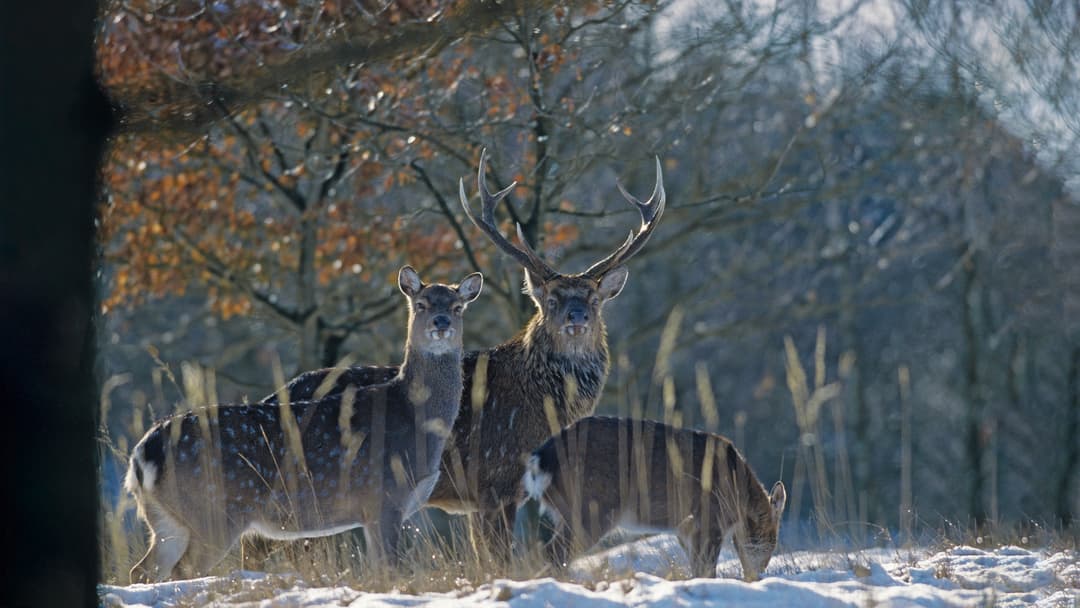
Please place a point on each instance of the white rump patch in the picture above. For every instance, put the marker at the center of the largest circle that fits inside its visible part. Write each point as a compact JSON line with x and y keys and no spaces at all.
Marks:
{"x":149,"y":472}
{"x":536,"y":481}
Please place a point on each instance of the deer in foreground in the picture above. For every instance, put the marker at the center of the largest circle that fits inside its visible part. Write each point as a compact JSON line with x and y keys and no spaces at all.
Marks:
{"x":366,"y":457}
{"x":603,"y":473}
{"x":552,"y":372}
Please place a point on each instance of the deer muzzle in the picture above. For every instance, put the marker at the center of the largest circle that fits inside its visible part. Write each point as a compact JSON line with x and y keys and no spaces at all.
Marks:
{"x":575,"y":329}
{"x":577,"y":318}
{"x":441,"y":334}
{"x":442,"y":328}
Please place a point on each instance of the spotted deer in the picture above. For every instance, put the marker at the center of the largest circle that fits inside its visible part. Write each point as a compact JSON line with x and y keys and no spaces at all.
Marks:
{"x":551,"y":372}
{"x":604,"y":473}
{"x":368,"y":456}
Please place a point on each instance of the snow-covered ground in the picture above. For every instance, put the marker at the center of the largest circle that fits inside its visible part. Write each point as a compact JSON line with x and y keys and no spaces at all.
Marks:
{"x":633,"y":575}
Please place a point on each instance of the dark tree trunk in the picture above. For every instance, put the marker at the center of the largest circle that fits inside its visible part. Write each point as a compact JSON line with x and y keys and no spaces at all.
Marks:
{"x":1064,"y":507}
{"x":54,"y":124}
{"x":974,"y":447}
{"x":331,"y":351}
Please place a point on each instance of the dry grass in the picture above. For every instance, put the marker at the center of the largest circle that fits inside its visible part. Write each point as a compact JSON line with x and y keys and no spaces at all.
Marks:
{"x":443,"y":553}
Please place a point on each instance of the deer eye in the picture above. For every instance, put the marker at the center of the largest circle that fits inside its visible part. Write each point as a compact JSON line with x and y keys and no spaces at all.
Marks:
{"x":419,"y":306}
{"x":594,"y":301}
{"x":458,"y":308}
{"x":552,"y":303}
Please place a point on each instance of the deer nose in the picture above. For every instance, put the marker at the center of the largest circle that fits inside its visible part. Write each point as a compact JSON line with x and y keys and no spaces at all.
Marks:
{"x":577,"y":316}
{"x":441,"y":321}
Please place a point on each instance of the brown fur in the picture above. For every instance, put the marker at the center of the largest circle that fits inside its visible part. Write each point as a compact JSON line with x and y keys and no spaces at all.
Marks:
{"x":602,"y":473}
{"x":551,"y":373}
{"x":482,"y":472}
{"x":491,"y":439}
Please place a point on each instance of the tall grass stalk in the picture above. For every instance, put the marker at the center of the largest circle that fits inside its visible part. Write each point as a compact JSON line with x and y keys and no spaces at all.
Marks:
{"x":450,"y":553}
{"x":810,"y":468}
{"x":906,"y":499}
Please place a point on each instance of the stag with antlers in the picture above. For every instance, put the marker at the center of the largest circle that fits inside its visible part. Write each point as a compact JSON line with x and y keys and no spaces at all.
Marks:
{"x":551,"y":373}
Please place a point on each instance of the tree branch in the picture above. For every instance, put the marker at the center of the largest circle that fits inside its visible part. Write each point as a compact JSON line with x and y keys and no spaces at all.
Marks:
{"x":221,"y":271}
{"x":454,"y":223}
{"x":292,"y":194}
{"x":189,"y":112}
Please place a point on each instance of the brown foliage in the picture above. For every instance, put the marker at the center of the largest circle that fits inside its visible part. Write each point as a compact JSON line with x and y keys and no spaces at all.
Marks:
{"x":148,"y":48}
{"x":303,"y":204}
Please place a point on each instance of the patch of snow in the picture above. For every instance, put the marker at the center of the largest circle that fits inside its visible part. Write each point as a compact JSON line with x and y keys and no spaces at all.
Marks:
{"x":1007,"y":570}
{"x":627,"y":575}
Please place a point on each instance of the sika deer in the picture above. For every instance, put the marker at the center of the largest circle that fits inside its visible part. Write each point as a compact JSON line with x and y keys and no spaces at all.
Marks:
{"x":602,"y":473}
{"x":365,"y":457}
{"x":557,"y":363}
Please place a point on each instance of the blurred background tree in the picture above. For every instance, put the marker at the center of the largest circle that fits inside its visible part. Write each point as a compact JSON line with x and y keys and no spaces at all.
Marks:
{"x":891,"y":185}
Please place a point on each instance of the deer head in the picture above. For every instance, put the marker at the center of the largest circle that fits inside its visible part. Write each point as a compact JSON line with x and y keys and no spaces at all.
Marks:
{"x":763,"y":531}
{"x":568,"y":305}
{"x":435,"y":310}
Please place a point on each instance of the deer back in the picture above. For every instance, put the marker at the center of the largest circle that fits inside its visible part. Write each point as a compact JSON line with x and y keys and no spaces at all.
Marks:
{"x":301,"y":467}
{"x":605,"y":472}
{"x":330,"y":381}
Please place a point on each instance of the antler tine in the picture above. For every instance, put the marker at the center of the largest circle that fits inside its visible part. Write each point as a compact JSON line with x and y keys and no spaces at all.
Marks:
{"x":650,"y":210}
{"x":489,"y":200}
{"x":525,"y":256}
{"x":541,"y":268}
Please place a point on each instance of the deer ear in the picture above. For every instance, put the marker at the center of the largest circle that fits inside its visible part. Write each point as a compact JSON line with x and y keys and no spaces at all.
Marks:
{"x":470,"y":286}
{"x":611,"y":284}
{"x":408,"y":281}
{"x":534,"y":287}
{"x":777,"y":499}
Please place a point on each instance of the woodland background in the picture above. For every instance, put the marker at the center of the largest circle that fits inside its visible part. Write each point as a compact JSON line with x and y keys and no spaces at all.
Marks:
{"x":870,"y":259}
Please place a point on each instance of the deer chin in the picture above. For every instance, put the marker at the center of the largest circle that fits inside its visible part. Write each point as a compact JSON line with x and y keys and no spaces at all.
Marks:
{"x":575,"y":340}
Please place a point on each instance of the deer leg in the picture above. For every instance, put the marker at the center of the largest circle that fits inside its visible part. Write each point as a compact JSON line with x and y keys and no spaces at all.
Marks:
{"x":164,"y":552}
{"x":706,"y":555}
{"x":569,"y":539}
{"x":498,"y":530}
{"x":559,"y":550}
{"x":382,"y":537}
{"x":200,"y":557}
{"x":168,"y":542}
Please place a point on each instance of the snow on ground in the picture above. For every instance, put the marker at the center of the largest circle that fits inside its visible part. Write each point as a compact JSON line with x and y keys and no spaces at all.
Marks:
{"x":631,"y":575}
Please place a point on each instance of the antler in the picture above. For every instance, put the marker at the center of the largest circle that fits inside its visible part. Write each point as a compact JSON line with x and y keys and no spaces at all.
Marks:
{"x":524,"y":254}
{"x":650,"y":211}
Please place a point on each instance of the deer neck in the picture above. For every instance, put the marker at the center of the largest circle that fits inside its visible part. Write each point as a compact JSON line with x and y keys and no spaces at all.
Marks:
{"x":586,"y":366}
{"x":433,"y":381}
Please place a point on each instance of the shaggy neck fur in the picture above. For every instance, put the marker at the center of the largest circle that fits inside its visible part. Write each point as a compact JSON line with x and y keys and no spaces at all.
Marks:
{"x":557,"y":357}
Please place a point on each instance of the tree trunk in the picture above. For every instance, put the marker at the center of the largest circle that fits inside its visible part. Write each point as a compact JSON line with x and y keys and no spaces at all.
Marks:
{"x":331,"y":348}
{"x":860,"y":488}
{"x":310,"y":353}
{"x":974,"y":447}
{"x":1064,"y":508}
{"x":54,"y":125}
{"x":1066,"y":252}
